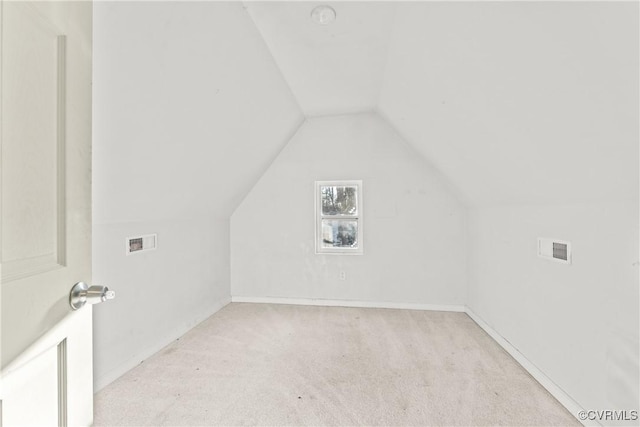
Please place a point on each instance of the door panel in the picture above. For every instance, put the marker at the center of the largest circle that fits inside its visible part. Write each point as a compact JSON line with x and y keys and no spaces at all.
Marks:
{"x":44,"y":372}
{"x":45,"y":211}
{"x":56,"y":369}
{"x":33,"y":216}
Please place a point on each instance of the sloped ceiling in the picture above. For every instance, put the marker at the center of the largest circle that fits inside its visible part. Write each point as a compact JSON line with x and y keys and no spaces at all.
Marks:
{"x":520,"y":102}
{"x":514,"y":102}
{"x":189,"y":109}
{"x":331,"y":69}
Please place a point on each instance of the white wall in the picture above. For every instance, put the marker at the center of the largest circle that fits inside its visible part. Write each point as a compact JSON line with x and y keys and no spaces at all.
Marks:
{"x":577,"y":323}
{"x":160,"y":294}
{"x":414,"y":224}
{"x":531,"y":109}
{"x":189,"y":109}
{"x":537,"y":129}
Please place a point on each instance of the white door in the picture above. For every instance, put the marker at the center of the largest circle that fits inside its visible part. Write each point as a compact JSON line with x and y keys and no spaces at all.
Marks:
{"x":45,"y":227}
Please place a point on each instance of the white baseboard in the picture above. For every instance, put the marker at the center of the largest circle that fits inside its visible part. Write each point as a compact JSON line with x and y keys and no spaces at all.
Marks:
{"x":101,"y":381}
{"x":348,"y":303}
{"x":561,"y":396}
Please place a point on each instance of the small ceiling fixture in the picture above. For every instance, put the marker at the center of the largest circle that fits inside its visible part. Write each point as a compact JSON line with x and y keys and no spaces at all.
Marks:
{"x":323,"y":15}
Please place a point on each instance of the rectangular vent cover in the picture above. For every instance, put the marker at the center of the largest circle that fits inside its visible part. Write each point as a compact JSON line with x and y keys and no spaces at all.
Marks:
{"x":560,"y":251}
{"x":141,"y":243}
{"x":555,"y":250}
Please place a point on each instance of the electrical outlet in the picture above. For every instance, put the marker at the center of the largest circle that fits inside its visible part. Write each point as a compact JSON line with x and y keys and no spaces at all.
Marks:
{"x":343,"y":275}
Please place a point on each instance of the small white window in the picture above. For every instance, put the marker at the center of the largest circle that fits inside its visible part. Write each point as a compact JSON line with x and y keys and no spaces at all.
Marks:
{"x":339,"y":217}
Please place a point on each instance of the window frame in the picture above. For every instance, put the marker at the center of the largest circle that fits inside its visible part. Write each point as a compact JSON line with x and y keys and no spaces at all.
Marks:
{"x":358,"y":217}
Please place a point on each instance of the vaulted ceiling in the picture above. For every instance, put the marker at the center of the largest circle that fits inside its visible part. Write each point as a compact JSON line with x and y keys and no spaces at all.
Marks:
{"x":520,"y":102}
{"x":513,"y":102}
{"x":189,"y":109}
{"x":332,"y":69}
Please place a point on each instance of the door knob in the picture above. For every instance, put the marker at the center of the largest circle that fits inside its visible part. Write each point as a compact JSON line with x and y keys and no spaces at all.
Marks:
{"x":81,"y":293}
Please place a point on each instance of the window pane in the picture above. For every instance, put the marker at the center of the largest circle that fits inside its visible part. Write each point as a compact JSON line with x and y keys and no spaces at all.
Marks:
{"x":339,"y":233}
{"x":339,"y":200}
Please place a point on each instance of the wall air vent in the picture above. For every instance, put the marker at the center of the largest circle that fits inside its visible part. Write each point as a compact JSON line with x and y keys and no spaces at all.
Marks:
{"x":560,"y":251}
{"x":554,"y":250}
{"x":141,"y":243}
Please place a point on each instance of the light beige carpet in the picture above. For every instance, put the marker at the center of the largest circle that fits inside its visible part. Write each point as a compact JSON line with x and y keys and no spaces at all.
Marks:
{"x":267,"y":364}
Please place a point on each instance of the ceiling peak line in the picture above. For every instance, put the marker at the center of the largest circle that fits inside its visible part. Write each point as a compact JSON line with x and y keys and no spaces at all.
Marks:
{"x":342,"y":113}
{"x":452,"y":187}
{"x":332,"y":68}
{"x":287,"y":140}
{"x":245,"y":8}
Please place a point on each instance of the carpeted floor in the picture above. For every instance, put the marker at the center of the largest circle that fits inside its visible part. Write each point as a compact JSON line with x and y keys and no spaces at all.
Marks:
{"x":267,"y":364}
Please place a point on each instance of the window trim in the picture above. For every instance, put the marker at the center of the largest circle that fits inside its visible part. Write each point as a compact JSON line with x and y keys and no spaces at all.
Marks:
{"x":359,"y":217}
